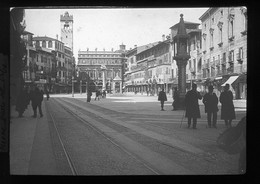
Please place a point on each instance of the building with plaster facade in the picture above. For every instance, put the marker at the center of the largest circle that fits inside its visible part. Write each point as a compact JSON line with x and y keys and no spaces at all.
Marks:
{"x":224,"y":48}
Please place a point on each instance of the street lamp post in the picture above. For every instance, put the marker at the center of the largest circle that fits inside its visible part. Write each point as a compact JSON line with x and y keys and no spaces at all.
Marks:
{"x":103,"y":69}
{"x":72,"y":84}
{"x":80,"y":83}
{"x":181,"y":55}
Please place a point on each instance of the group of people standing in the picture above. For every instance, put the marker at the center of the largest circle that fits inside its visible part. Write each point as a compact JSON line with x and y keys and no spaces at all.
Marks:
{"x":210,"y":100}
{"x":33,"y":94}
{"x":98,"y":95}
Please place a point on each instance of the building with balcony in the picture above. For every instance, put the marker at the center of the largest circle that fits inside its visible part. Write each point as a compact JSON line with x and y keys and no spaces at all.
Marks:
{"x":63,"y":58}
{"x":150,"y":68}
{"x":90,"y":63}
{"x":224,"y":48}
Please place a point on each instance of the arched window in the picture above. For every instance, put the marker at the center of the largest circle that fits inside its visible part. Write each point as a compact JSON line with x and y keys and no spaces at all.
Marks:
{"x":50,"y":44}
{"x":38,"y":43}
{"x":44,"y":43}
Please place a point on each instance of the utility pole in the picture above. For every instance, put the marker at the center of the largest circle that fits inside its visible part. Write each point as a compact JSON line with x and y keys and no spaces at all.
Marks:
{"x":72,"y":86}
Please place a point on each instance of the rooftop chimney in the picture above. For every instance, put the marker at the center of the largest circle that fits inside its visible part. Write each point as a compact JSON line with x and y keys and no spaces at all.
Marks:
{"x":122,"y":46}
{"x":112,"y":49}
{"x":57,"y":36}
{"x":163,"y":37}
{"x":135,"y":46}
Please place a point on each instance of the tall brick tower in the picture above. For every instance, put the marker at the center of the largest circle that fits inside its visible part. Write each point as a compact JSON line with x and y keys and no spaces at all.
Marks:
{"x":66,"y":23}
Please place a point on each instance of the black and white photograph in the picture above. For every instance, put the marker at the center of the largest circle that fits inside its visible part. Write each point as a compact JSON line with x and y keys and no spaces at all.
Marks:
{"x":126,"y":91}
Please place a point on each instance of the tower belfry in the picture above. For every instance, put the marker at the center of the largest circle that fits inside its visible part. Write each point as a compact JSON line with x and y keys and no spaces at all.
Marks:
{"x":66,"y":22}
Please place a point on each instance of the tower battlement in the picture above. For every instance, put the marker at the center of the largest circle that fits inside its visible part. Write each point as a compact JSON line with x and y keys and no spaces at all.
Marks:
{"x":66,"y":17}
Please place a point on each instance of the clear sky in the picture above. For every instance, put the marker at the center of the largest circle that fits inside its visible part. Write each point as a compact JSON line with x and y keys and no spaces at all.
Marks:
{"x":109,"y":27}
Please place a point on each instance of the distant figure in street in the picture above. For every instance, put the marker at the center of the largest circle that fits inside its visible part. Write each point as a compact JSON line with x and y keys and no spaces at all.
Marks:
{"x":176,"y":99}
{"x":97,"y":94}
{"x":22,"y":101}
{"x":210,"y":101}
{"x":36,"y":97}
{"x":89,"y":94}
{"x":192,"y":105}
{"x":104,"y":94}
{"x":227,"y":106}
{"x":47,"y":94}
{"x":162,"y":97}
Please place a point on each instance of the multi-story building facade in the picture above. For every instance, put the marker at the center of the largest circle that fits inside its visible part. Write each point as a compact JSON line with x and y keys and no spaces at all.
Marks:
{"x":29,"y":72}
{"x":91,"y":63}
{"x":62,"y":66}
{"x":150,"y":69}
{"x":224,"y":47}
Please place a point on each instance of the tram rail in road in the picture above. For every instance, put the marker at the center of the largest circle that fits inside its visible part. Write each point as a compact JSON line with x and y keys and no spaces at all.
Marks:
{"x":153,"y":161}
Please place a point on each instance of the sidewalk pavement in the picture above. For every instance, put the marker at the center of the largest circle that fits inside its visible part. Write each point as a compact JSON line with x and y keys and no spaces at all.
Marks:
{"x":238,"y":103}
{"x":30,"y":144}
{"x":141,"y":104}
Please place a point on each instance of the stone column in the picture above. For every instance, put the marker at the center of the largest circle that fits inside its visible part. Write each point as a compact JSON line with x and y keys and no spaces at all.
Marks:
{"x":113,"y":85}
{"x":104,"y":81}
{"x":120,"y":87}
{"x":182,"y":80}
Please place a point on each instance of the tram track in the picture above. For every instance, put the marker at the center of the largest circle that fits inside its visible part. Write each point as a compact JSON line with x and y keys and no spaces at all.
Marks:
{"x":207,"y":158}
{"x":67,"y":155}
{"x":86,"y":123}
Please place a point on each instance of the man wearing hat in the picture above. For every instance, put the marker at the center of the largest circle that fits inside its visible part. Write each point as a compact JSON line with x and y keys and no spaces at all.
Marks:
{"x":210,"y":101}
{"x":192,"y":98}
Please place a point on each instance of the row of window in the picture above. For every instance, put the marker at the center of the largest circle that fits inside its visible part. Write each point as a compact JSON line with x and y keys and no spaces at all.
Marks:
{"x":230,"y":30}
{"x":231,"y":57}
{"x":110,"y":74}
{"x":153,"y":52}
{"x":58,"y":46}
{"x":99,"y":55}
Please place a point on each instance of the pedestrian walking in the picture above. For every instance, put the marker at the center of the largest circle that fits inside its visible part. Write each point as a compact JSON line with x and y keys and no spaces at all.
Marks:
{"x":36,"y":97}
{"x":89,"y":94}
{"x":97,"y":94}
{"x":210,"y":100}
{"x":192,"y":105}
{"x":47,"y":94}
{"x":176,"y":99}
{"x":22,"y":101}
{"x":162,"y":97}
{"x":227,"y":106}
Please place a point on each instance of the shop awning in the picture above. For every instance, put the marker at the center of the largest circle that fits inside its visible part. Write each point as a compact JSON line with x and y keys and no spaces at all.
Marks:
{"x":218,"y":78}
{"x":230,"y":80}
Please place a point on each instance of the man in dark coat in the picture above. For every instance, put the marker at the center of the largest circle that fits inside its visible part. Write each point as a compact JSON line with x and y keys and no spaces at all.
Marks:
{"x":227,"y":106}
{"x":97,"y":94}
{"x":89,"y":94}
{"x":162,"y":97}
{"x":210,"y":101}
{"x":22,"y":101}
{"x":176,"y":99}
{"x":36,"y":98}
{"x":192,"y":105}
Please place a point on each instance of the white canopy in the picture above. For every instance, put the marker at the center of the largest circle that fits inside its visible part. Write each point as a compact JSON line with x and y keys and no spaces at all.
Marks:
{"x":230,"y":80}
